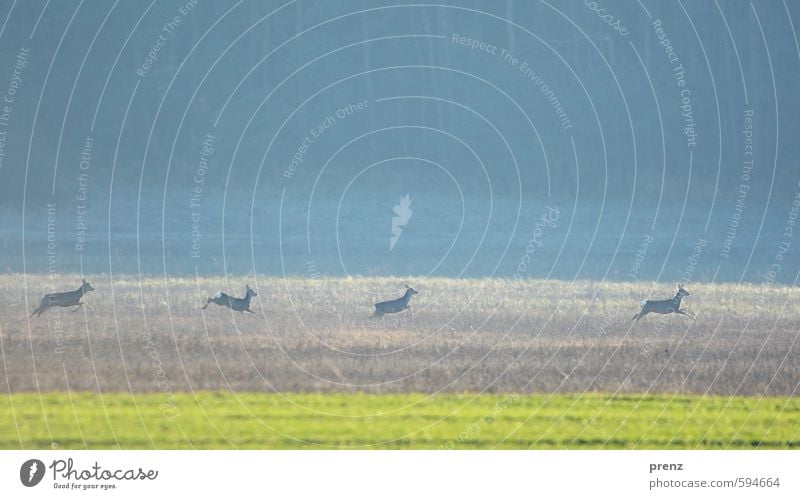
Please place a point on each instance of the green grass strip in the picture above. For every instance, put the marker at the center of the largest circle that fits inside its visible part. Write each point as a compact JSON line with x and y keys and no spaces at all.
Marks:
{"x":216,"y":420}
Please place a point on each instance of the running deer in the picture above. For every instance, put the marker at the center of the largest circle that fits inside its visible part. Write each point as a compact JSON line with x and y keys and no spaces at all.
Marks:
{"x":240,"y":305}
{"x":66,"y":299}
{"x":394,"y":306}
{"x":665,"y":306}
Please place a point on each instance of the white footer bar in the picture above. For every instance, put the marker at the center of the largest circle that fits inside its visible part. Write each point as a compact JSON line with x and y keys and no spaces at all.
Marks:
{"x":390,"y":474}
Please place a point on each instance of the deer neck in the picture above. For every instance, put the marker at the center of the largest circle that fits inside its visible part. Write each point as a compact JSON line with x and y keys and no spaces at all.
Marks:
{"x":677,"y":300}
{"x":406,"y":296}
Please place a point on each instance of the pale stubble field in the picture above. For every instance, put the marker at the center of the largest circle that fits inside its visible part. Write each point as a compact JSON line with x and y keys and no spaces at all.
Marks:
{"x":463,"y":335}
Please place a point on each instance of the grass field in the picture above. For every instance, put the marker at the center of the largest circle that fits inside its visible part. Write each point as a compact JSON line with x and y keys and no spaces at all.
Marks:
{"x":465,"y":335}
{"x":214,"y":420}
{"x":146,"y":368}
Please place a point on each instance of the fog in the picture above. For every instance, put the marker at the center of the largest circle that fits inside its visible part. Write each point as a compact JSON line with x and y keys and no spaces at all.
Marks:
{"x":608,"y":140}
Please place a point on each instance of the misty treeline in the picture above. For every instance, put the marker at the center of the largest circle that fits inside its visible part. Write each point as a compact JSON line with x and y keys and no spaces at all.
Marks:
{"x":228,"y":71}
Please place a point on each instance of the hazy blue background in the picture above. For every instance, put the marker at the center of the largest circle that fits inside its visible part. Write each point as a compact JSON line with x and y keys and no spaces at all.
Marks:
{"x":475,"y":143}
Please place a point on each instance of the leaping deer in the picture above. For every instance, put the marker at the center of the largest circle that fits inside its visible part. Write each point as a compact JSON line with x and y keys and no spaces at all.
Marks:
{"x":665,"y":306}
{"x":65,"y":299}
{"x":240,"y":305}
{"x":394,"y":306}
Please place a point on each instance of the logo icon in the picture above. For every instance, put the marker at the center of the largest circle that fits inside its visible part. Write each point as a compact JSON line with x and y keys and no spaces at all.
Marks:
{"x":31,"y":472}
{"x":403,"y":212}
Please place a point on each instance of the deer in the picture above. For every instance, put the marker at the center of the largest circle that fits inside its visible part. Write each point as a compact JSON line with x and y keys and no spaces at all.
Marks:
{"x":395,"y":306}
{"x":240,"y":305}
{"x":65,"y":299}
{"x":665,"y":306}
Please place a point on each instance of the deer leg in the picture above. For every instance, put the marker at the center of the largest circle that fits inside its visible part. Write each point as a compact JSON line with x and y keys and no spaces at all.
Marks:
{"x":79,"y":305}
{"x":683,"y":312}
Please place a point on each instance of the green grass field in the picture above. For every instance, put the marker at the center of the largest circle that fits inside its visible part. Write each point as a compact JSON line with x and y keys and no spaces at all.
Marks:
{"x":347,"y":381}
{"x":216,"y":420}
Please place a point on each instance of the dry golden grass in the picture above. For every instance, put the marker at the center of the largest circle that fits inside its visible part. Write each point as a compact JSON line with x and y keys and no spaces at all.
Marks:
{"x":316,"y":334}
